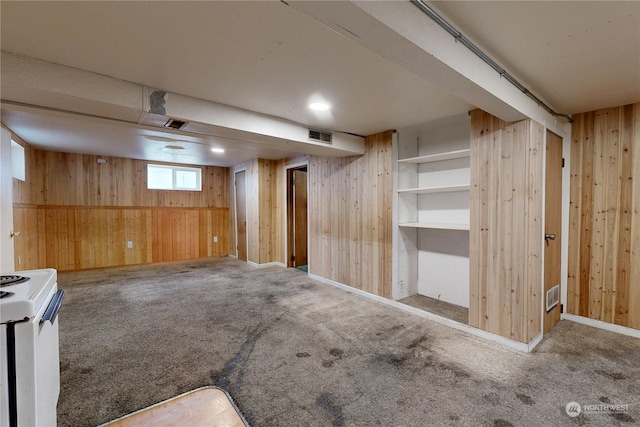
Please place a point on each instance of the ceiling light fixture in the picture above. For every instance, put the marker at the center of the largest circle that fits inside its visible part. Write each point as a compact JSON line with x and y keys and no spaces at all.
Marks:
{"x":319,"y":106}
{"x":218,"y":150}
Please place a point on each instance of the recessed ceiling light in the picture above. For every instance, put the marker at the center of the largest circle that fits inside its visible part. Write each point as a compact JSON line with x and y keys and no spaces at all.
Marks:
{"x":319,"y":106}
{"x":218,"y":150}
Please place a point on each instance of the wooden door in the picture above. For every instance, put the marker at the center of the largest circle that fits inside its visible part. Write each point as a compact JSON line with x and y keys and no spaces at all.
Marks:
{"x":300,"y":217}
{"x":241,"y":216}
{"x":553,"y":227}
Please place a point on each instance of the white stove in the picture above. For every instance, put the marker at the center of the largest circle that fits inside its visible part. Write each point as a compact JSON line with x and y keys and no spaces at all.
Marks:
{"x":29,"y":355}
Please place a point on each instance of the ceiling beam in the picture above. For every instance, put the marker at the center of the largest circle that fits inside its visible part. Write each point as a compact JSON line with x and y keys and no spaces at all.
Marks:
{"x":400,"y":32}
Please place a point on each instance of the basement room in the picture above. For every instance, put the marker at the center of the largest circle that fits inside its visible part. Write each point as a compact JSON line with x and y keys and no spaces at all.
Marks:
{"x":320,"y":213}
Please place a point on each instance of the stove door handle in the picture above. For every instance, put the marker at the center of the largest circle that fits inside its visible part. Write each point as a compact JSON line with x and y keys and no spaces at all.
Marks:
{"x":54,"y":307}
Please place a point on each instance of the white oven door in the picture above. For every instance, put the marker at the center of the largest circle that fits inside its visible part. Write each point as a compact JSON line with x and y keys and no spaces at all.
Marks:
{"x":4,"y":386}
{"x":38,"y":366}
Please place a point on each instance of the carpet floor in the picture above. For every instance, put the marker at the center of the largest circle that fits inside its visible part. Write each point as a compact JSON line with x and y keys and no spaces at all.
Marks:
{"x":295,"y":352}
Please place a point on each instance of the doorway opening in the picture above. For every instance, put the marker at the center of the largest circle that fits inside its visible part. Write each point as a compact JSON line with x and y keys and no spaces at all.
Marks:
{"x":297,"y":184}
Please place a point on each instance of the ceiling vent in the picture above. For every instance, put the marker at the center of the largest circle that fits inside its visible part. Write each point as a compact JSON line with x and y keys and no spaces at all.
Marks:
{"x":175,"y":124}
{"x":320,"y":136}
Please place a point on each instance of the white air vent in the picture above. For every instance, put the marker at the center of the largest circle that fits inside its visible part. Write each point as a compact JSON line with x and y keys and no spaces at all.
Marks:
{"x":320,"y":136}
{"x":553,"y":296}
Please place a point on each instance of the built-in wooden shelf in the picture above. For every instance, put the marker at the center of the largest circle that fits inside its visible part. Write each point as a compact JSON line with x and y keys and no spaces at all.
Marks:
{"x":435,"y":225}
{"x":449,"y":155}
{"x":439,"y":189}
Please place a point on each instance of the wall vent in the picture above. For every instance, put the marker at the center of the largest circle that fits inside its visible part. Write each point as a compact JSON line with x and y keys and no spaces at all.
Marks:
{"x":553,"y":297}
{"x":320,"y":136}
{"x":175,"y":124}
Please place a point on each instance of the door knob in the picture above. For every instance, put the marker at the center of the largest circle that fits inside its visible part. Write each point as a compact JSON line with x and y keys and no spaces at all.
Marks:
{"x":549,"y":237}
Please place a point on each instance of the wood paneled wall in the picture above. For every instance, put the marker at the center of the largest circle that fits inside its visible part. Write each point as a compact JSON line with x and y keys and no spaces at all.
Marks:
{"x":604,"y":219}
{"x":265,"y":205}
{"x":77,"y":238}
{"x":350,"y":217}
{"x":67,"y":179}
{"x":266,"y":208}
{"x":506,"y":226}
{"x":74,"y":213}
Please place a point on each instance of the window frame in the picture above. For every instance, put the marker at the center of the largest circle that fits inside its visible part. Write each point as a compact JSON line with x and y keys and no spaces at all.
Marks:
{"x":174,"y":170}
{"x":18,"y":161}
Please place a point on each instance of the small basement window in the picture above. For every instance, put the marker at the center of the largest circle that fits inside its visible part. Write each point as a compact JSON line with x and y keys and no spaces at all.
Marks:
{"x":162,"y":177}
{"x":18,"y":166}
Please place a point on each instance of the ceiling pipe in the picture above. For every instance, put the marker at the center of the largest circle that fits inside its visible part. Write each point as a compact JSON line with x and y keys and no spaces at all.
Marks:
{"x":459,"y":37}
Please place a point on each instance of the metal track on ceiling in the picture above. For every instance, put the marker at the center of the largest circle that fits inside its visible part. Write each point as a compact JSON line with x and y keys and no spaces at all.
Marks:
{"x":459,"y":37}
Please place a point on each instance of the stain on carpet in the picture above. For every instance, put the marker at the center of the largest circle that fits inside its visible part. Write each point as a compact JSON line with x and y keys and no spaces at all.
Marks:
{"x":393,"y":359}
{"x":457,"y":371}
{"x":238,"y":364}
{"x":336,"y":352}
{"x":326,"y":402}
{"x":622,"y":417}
{"x":416,"y":342}
{"x":613,"y":375}
{"x":492,"y":398}
{"x":527,"y":400}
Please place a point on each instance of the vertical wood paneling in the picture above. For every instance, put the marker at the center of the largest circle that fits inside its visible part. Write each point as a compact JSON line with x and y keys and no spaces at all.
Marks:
{"x":506,"y":226}
{"x":266,"y":210}
{"x":534,"y":220}
{"x":76,"y":238}
{"x":634,"y":235}
{"x":576,"y":190}
{"x":350,"y":217}
{"x":267,"y":199}
{"x":253,"y":211}
{"x":604,"y":235}
{"x":68,"y":179}
{"x":30,"y":247}
{"x":75,"y":213}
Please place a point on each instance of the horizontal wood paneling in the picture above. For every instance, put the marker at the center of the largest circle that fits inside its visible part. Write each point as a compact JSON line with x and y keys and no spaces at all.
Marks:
{"x":506,"y":226}
{"x":604,"y":219}
{"x":350,"y":217}
{"x":76,"y":237}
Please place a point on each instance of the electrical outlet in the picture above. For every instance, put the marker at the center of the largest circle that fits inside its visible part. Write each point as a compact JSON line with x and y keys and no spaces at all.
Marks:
{"x":129,"y":244}
{"x":215,"y":239}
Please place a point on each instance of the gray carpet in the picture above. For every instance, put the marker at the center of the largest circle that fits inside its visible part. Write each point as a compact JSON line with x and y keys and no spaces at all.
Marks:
{"x":295,"y":352}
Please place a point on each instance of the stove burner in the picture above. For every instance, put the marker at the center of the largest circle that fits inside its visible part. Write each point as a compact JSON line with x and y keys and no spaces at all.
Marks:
{"x":5,"y":294}
{"x":12,"y":280}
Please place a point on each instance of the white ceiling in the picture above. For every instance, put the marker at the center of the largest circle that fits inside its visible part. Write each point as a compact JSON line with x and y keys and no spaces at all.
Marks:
{"x":269,"y":58}
{"x":578,"y":55}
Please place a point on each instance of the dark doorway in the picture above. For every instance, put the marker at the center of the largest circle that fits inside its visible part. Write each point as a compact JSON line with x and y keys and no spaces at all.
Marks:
{"x":297,"y":217}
